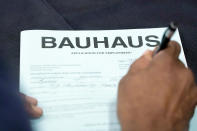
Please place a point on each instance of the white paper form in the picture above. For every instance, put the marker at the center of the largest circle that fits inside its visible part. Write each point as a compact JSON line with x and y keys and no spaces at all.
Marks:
{"x":75,"y":74}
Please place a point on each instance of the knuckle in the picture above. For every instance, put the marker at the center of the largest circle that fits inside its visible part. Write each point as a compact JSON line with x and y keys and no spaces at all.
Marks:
{"x":175,"y":44}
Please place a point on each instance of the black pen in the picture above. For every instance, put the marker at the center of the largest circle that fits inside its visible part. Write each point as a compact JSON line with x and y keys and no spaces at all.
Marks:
{"x":166,"y":37}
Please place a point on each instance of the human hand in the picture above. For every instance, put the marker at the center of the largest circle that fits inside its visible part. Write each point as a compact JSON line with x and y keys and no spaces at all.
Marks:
{"x":31,"y":106}
{"x":157,"y":94}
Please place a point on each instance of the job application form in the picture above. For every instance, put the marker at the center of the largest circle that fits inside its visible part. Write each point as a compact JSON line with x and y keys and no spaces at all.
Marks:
{"x":75,"y":74}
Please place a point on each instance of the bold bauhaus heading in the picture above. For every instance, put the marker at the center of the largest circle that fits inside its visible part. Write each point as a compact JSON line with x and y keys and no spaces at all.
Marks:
{"x":65,"y":42}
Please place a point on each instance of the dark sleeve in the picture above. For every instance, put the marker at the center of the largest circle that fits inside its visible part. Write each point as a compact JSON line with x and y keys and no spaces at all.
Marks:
{"x":12,"y":114}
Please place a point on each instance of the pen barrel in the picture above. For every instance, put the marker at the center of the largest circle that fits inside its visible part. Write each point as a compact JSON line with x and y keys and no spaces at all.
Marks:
{"x":163,"y":45}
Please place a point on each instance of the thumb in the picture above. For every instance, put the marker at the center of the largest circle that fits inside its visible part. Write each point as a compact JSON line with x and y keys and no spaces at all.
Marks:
{"x":173,"y":49}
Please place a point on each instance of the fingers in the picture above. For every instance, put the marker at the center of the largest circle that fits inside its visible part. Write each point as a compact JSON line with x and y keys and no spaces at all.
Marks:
{"x":31,"y":100}
{"x":172,"y":50}
{"x":169,"y":56}
{"x":34,"y":111}
{"x":31,"y":106}
{"x":142,"y":62}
